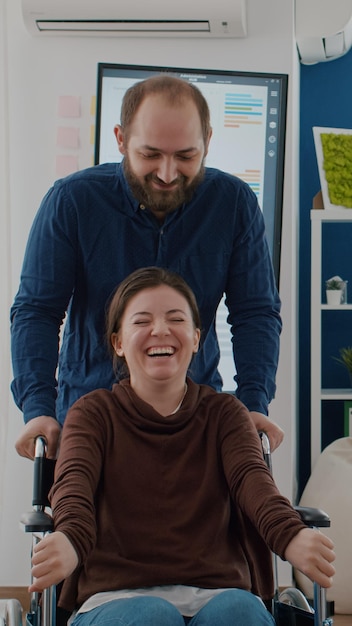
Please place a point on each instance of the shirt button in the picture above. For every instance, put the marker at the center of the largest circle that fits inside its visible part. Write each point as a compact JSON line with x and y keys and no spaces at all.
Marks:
{"x":142,"y":207}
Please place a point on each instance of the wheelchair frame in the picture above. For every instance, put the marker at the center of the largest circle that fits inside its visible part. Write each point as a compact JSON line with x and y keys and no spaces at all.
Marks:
{"x":289,"y":607}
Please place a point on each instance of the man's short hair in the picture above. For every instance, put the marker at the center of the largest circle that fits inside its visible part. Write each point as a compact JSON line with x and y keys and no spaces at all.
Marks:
{"x":175,"y":90}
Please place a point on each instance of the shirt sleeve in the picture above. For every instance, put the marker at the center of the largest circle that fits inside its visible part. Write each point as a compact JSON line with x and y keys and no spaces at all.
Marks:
{"x":46,"y":285}
{"x":254,"y":307}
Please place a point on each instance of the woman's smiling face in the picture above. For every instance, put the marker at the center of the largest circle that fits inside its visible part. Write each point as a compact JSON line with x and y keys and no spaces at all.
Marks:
{"x":157,"y":336}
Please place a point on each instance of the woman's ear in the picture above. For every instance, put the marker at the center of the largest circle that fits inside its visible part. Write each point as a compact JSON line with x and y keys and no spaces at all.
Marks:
{"x":196,"y":340}
{"x":116,"y":344}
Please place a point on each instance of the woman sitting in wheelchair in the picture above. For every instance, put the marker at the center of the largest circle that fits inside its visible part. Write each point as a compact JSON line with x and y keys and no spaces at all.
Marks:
{"x":163,"y":506}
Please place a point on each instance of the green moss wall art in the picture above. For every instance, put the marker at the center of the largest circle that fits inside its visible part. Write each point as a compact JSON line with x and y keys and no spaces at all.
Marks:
{"x":334,"y":155}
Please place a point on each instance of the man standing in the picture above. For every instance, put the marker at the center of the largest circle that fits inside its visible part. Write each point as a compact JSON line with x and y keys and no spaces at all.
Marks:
{"x":160,"y":206}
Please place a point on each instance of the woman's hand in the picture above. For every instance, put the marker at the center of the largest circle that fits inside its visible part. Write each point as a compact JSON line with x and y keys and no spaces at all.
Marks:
{"x":54,"y":559}
{"x":312,"y":553}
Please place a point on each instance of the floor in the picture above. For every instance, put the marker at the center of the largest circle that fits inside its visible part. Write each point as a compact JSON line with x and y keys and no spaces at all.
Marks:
{"x":342,"y":620}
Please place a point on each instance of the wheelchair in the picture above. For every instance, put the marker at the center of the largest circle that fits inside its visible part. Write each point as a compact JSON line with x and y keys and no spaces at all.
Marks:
{"x":289,"y":607}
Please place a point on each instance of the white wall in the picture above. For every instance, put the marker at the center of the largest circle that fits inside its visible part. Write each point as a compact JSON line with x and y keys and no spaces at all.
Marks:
{"x":35,"y":72}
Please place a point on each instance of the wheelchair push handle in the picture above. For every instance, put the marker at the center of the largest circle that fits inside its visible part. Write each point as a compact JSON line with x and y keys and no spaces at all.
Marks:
{"x":43,"y":474}
{"x":265,"y":441}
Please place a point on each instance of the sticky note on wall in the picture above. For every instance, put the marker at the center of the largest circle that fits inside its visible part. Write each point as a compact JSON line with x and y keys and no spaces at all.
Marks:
{"x":69,"y":106}
{"x":67,"y":137}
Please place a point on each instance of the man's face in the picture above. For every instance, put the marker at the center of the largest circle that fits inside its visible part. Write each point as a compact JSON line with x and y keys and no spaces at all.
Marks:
{"x":164,"y":153}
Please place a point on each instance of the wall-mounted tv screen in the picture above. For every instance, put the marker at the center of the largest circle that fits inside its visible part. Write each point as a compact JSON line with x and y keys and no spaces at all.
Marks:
{"x":248,"y":117}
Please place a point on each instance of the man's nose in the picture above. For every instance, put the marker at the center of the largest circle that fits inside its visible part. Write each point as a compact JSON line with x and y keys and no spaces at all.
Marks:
{"x":167,"y":170}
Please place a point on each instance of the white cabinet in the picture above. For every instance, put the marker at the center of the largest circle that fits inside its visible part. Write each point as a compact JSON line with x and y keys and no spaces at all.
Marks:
{"x":318,"y":394}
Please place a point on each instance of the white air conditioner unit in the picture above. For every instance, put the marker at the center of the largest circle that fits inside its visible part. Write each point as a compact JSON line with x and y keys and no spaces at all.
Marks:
{"x":323,"y":29}
{"x":136,"y":18}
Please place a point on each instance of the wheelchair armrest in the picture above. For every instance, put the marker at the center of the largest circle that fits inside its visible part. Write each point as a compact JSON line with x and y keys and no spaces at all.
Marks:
{"x":36,"y":522}
{"x":313,"y":517}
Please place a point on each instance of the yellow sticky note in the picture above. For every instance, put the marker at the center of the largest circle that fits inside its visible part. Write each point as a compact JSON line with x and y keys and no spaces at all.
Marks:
{"x":93,"y":105}
{"x":92,"y":135}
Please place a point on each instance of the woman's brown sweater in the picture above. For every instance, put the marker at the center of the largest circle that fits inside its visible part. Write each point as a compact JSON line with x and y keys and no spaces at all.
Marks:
{"x":149,"y":500}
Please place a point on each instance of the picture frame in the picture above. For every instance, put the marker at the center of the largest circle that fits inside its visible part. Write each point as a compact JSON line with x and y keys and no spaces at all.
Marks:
{"x":335,"y":171}
{"x":348,"y":418}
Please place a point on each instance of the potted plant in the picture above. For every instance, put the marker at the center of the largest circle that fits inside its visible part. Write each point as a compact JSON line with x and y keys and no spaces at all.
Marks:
{"x":346,"y":360}
{"x":334,"y":290}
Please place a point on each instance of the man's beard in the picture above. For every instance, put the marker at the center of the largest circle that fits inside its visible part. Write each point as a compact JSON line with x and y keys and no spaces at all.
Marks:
{"x":158,"y":201}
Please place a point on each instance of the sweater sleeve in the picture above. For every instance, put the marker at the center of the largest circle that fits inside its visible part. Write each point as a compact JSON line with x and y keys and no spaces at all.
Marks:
{"x":77,"y":474}
{"x":251,"y":485}
{"x":47,"y":282}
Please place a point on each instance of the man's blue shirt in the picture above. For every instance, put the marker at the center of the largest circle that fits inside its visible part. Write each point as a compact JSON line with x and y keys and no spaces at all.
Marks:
{"x":89,"y":234}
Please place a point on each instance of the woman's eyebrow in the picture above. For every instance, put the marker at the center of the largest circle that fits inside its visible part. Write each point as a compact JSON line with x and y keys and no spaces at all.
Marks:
{"x":170,"y":311}
{"x":141,"y":313}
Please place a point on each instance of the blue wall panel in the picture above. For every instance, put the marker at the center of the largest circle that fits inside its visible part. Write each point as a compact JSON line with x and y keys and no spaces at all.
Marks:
{"x":326,"y":100}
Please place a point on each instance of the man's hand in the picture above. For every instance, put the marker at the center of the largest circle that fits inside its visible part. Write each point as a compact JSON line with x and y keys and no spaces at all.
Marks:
{"x":274,"y":432}
{"x":42,"y":426}
{"x":312,"y":553}
{"x":54,"y":559}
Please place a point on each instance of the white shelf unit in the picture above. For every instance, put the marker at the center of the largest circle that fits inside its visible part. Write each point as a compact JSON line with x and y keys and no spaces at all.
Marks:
{"x":318,"y":217}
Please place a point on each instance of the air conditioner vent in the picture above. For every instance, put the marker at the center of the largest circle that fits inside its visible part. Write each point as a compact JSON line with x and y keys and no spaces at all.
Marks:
{"x":130,"y":26}
{"x":133,"y":18}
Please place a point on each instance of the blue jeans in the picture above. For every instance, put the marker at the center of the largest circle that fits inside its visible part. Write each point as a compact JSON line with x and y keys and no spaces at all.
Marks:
{"x":234,"y":607}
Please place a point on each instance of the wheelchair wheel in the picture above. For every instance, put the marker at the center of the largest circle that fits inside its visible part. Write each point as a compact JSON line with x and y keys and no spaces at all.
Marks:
{"x":295,"y":597}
